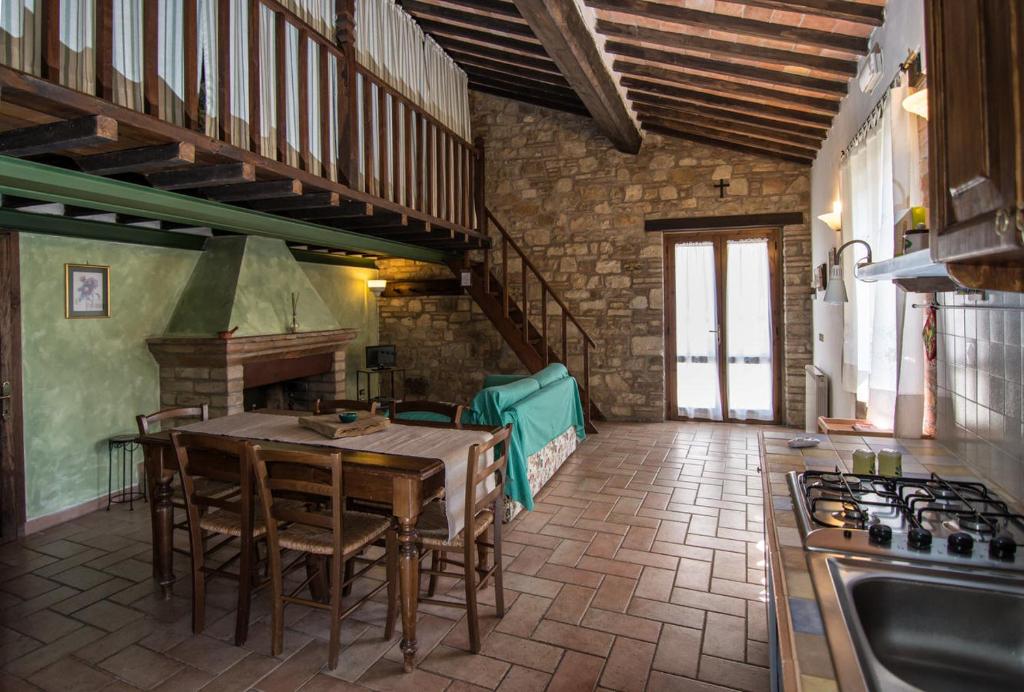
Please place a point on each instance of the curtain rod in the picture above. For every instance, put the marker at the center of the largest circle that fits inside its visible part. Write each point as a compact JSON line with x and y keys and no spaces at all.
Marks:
{"x":869,"y":121}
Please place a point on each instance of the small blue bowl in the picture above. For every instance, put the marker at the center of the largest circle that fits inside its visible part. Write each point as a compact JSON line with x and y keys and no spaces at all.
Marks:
{"x":348,"y":416}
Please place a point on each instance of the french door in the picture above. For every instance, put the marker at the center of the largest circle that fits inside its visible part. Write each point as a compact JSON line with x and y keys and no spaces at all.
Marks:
{"x":722,"y":325}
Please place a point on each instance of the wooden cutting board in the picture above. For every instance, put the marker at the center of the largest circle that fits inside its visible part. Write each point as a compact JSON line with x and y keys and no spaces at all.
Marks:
{"x":328,"y":425}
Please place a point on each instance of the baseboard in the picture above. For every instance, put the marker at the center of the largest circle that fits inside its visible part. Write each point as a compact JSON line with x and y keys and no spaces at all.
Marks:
{"x":37,"y":524}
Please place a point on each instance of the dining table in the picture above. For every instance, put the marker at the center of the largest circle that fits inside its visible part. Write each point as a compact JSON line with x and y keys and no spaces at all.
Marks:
{"x":404,"y":480}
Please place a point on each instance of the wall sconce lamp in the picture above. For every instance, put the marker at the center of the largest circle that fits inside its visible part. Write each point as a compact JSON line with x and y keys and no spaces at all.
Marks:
{"x":835,"y":291}
{"x":917,"y":103}
{"x":376,"y":286}
{"x":834,"y":218}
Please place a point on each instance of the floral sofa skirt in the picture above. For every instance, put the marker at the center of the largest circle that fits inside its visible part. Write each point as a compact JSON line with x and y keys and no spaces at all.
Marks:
{"x":540,"y":467}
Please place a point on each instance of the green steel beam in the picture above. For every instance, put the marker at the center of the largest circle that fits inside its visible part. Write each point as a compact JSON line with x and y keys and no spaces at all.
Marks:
{"x":51,"y":184}
{"x":52,"y":224}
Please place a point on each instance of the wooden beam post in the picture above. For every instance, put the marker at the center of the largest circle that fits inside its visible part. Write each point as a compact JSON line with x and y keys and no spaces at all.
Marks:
{"x":565,"y":35}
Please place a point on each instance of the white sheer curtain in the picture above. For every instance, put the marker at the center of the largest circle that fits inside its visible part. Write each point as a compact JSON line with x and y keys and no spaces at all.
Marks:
{"x":20,"y":23}
{"x":870,"y":317}
{"x":749,"y":330}
{"x":698,"y":394}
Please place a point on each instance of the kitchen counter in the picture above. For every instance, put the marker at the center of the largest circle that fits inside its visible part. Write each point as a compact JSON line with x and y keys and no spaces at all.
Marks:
{"x":806,"y":663}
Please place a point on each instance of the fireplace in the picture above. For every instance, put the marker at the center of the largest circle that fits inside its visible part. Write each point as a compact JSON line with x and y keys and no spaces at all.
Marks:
{"x":307,"y":366}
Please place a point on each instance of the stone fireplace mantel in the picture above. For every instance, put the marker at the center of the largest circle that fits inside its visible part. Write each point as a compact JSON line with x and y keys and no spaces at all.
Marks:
{"x":196,"y":370}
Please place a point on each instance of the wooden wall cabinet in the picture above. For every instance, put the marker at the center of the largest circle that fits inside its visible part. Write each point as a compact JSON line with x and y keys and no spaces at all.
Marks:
{"x":976,"y":139}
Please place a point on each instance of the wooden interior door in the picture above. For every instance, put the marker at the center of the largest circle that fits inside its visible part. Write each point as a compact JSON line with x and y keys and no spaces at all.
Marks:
{"x":12,"y":461}
{"x":719,"y":242}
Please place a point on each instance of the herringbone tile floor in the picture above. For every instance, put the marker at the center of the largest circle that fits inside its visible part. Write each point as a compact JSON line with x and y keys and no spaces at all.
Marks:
{"x":641,"y":567}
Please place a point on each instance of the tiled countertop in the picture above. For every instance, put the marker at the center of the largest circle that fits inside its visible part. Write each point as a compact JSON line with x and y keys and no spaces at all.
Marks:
{"x":806,"y":662}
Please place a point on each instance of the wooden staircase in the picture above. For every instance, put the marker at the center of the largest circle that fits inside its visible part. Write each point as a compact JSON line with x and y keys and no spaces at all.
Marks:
{"x":517,"y":304}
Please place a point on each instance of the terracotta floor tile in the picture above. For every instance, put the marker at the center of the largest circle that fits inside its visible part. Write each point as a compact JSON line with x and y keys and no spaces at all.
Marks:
{"x":615,"y":593}
{"x":667,"y":612}
{"x":678,"y":650}
{"x":28,"y":586}
{"x":46,"y":626}
{"x":524,"y":615}
{"x":604,"y":545}
{"x":70,"y":674}
{"x":594,"y":642}
{"x":628,"y":665}
{"x":82,"y":577}
{"x":246,"y":672}
{"x":532,"y":585}
{"x":577,"y":673}
{"x":725,"y":636}
{"x":208,"y":654}
{"x":520,"y":679}
{"x":141,"y":667}
{"x":568,"y":552}
{"x":571,"y":575}
{"x":620,"y":624}
{"x":388,"y":676}
{"x":185,"y":680}
{"x":523,"y":652}
{"x":604,"y":566}
{"x":474,"y":668}
{"x":107,"y":615}
{"x":297,"y":670}
{"x":529,"y":561}
{"x":570,"y":604}
{"x":732,"y":674}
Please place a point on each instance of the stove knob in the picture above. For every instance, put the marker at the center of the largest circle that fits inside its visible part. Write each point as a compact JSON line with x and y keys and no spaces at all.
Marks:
{"x":960,"y":543}
{"x":1002,"y":547}
{"x":919,"y":539}
{"x":880,"y":534}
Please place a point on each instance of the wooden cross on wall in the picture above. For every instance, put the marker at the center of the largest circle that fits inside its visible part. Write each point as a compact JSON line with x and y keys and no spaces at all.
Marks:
{"x":721,"y":185}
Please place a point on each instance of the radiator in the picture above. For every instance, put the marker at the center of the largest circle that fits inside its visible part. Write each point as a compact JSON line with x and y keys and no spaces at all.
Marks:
{"x":816,"y":383}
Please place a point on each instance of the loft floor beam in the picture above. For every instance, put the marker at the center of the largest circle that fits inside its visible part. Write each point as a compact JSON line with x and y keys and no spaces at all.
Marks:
{"x":568,"y":40}
{"x":90,"y":131}
{"x":139,"y":160}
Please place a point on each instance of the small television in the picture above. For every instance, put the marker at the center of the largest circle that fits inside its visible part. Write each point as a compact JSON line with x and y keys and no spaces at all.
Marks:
{"x":381,"y":356}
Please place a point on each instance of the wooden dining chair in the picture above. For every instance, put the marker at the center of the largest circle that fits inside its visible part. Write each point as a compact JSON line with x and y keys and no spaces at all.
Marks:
{"x":331,"y":405}
{"x":202,"y":458}
{"x":323,"y":529}
{"x":452,"y":412}
{"x":482,"y":512}
{"x":148,"y":424}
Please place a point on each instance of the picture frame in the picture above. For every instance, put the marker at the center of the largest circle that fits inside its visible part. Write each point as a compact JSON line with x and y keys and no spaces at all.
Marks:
{"x":86,"y":291}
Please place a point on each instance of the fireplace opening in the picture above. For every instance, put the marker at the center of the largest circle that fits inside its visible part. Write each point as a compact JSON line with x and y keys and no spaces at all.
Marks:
{"x":286,"y":383}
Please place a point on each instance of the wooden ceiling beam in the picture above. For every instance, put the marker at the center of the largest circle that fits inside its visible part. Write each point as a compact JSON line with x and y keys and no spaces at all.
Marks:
{"x":345,"y":210}
{"x":775,"y":56}
{"x":496,"y":66}
{"x":59,"y":136}
{"x":139,"y":160}
{"x":264,"y":189}
{"x":767,"y":75}
{"x":727,"y":143}
{"x":454,"y":45}
{"x":846,"y":10}
{"x":654,"y":105}
{"x":422,"y":10}
{"x":725,"y":85}
{"x":530,"y":47}
{"x":203,"y":176}
{"x":568,"y":40}
{"x":743,"y":106}
{"x":769,"y":133}
{"x":313,"y":200}
{"x":500,"y":78}
{"x":575,"y":109}
{"x":493,"y":6}
{"x":697,"y":128}
{"x":736,"y":25}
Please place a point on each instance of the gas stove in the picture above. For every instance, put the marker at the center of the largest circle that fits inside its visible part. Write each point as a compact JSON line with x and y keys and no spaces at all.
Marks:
{"x":925,"y":519}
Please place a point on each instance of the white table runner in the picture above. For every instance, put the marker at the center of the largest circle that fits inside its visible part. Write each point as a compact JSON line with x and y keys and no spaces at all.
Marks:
{"x":448,"y":445}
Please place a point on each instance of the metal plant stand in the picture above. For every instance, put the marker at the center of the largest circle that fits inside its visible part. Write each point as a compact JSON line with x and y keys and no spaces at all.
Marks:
{"x":126,"y":446}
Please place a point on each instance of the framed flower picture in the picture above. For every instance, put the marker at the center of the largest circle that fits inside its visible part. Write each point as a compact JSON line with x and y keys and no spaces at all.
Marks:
{"x":86,"y":291}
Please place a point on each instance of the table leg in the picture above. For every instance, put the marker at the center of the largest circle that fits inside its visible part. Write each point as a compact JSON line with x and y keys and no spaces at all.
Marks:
{"x":165,"y":534}
{"x":153,"y":459}
{"x":409,"y":583}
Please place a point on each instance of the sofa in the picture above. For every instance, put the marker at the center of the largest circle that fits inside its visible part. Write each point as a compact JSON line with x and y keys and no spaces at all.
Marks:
{"x":547,"y":424}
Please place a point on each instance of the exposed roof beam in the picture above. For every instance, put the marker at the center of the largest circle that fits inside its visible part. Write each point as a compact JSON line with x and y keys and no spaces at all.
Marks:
{"x":511,"y":79}
{"x":454,"y":45}
{"x":520,"y":44}
{"x":752,"y":107}
{"x":467,"y":61}
{"x":139,"y":160}
{"x":203,"y":176}
{"x":727,"y":86}
{"x":568,"y":40}
{"x":743,"y":51}
{"x":847,"y":10}
{"x":735,"y":69}
{"x":264,"y":189}
{"x":736,"y":25}
{"x":62,"y":135}
{"x":729,"y":143}
{"x":310,"y":200}
{"x":546,"y":102}
{"x":493,"y":6}
{"x":655,"y":105}
{"x":769,"y":133}
{"x":421,"y":10}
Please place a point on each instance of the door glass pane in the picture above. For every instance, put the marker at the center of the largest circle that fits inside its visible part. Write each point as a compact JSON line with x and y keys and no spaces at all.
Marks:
{"x":749,"y":331}
{"x":698,"y":393}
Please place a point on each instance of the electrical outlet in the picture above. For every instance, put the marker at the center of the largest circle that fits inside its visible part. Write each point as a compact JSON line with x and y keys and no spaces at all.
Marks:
{"x":821,"y":337}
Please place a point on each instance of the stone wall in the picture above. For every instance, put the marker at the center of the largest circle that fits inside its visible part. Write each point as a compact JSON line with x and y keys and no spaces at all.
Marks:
{"x":577,"y":207}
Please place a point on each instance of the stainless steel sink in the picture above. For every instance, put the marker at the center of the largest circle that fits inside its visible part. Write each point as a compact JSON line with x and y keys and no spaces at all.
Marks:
{"x":916,"y":628}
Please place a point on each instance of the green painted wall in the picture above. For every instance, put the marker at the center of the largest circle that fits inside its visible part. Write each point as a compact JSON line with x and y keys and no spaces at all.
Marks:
{"x":344,"y":291}
{"x":85,"y":380}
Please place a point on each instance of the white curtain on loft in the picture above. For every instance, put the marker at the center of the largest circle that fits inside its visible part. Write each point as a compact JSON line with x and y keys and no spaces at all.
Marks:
{"x":19,"y":29}
{"x":749,"y":330}
{"x":698,"y":394}
{"x":870,"y":317}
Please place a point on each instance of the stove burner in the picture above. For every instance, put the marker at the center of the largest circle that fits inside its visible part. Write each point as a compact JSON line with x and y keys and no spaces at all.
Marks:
{"x":975,"y":524}
{"x":834,"y":481}
{"x":851,"y":515}
{"x":941,"y":493}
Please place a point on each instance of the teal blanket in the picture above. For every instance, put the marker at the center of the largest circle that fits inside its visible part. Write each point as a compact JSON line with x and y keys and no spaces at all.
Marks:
{"x":537,"y":414}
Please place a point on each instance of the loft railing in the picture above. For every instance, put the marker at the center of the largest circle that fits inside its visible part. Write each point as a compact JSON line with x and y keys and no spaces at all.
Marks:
{"x":281,"y":88}
{"x":519,"y":283}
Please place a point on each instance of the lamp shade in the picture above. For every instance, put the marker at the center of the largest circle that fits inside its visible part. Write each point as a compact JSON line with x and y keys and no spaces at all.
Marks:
{"x":834,"y":218}
{"x":917,"y":103}
{"x":835,"y":291}
{"x":377,"y":286}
